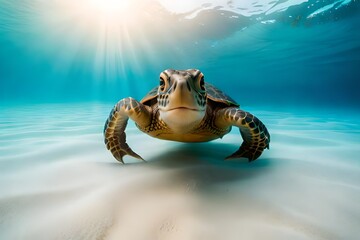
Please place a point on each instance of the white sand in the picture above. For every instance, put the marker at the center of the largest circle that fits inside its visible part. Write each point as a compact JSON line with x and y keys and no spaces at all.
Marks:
{"x":58,"y":181}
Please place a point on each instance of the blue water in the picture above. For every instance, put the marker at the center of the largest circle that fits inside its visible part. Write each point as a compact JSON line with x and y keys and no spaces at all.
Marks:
{"x":293,"y":64}
{"x":50,"y":53}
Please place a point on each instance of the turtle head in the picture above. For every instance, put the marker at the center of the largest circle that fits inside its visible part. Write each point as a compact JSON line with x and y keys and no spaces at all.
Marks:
{"x":182,"y":98}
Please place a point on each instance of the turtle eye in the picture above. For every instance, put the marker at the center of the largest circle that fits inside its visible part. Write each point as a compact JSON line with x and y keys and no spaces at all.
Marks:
{"x":162,"y":84}
{"x":202,"y":83}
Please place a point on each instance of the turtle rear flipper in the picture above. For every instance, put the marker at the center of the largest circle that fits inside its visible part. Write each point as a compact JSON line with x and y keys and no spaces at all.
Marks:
{"x":114,"y":130}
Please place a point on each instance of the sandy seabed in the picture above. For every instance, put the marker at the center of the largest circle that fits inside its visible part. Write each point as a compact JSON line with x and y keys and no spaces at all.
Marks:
{"x":58,"y":181}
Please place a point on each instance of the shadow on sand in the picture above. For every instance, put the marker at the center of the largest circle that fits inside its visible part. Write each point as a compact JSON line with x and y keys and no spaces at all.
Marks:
{"x":205,"y":164}
{"x":201,"y":163}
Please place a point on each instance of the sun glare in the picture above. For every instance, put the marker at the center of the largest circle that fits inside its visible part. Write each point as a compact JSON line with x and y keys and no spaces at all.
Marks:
{"x":110,"y":11}
{"x":110,"y":28}
{"x":110,"y":5}
{"x":114,"y":34}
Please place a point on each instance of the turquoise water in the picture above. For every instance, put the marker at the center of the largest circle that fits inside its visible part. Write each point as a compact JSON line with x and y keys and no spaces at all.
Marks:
{"x":285,"y":52}
{"x":64,"y":64}
{"x":59,"y":182}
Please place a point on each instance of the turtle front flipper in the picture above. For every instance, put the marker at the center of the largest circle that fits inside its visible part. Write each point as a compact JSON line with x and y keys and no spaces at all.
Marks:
{"x":254,"y":133}
{"x":114,"y":129}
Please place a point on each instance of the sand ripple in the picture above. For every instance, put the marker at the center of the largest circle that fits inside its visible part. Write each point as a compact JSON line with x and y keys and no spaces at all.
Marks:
{"x":58,"y":181}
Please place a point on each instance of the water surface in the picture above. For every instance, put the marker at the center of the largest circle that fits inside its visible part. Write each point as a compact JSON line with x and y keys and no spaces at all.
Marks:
{"x":292,"y":63}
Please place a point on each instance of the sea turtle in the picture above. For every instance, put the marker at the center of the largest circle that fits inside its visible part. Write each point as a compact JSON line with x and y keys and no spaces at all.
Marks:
{"x":186,"y":109}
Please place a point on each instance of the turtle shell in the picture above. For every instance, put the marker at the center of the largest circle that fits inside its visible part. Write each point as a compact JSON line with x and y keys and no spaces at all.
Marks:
{"x":213,"y":94}
{"x":150,"y":97}
{"x":216,"y":95}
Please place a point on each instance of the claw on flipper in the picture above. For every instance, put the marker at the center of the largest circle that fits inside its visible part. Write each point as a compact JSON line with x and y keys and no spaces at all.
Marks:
{"x":246,"y":152}
{"x":120,"y":154}
{"x":115,"y":125}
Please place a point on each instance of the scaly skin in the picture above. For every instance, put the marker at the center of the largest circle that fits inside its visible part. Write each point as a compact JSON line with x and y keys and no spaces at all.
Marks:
{"x":114,"y":129}
{"x":254,"y":133}
{"x":185,"y":109}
